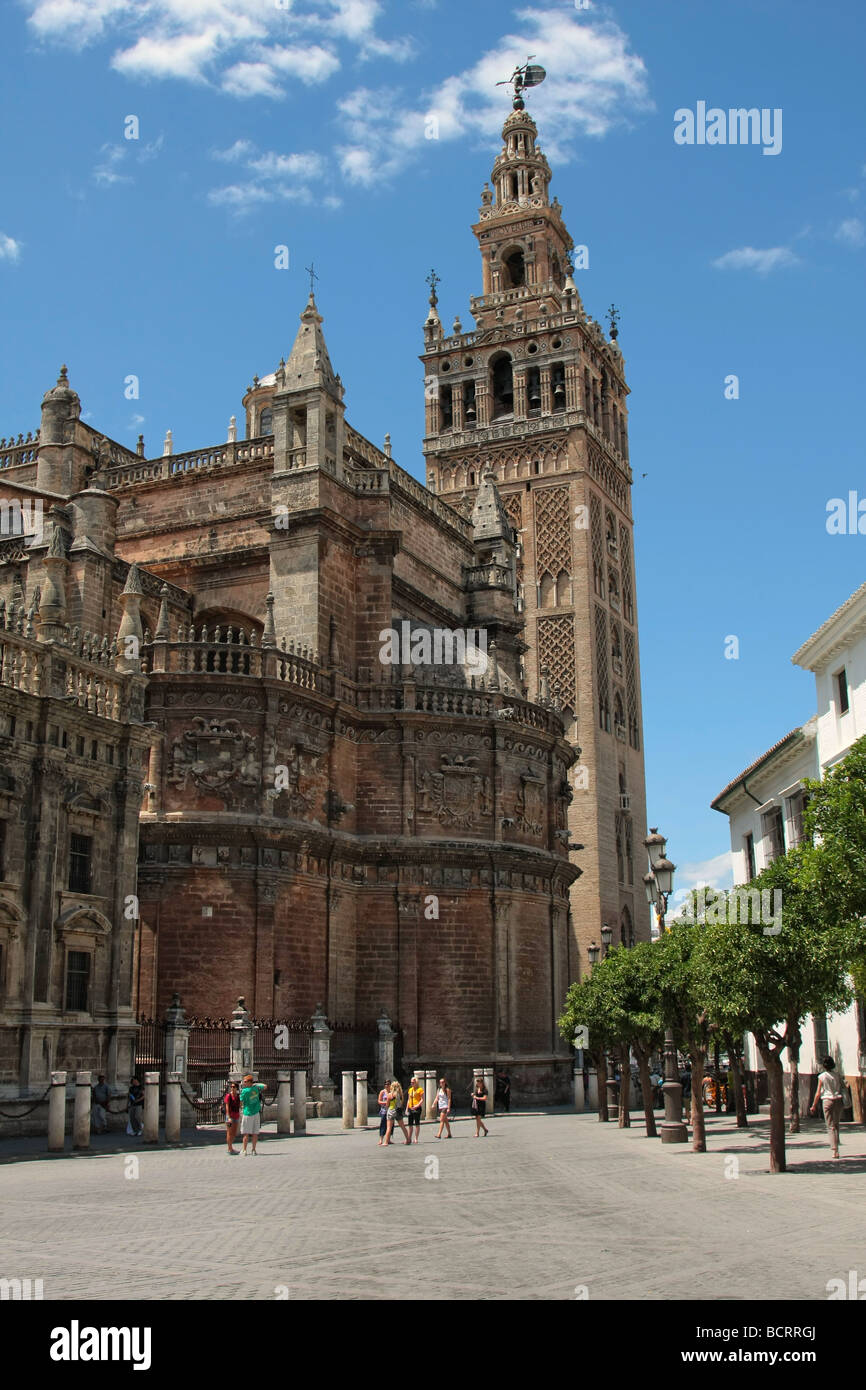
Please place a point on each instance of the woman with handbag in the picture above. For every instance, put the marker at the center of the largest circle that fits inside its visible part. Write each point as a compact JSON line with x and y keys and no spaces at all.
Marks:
{"x":479,"y":1106}
{"x":395,"y":1113}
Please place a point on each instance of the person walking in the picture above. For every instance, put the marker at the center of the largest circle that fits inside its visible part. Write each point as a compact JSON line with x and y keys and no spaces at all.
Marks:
{"x":384,"y":1097}
{"x":503,"y":1090}
{"x":829,"y":1092}
{"x":395,"y":1113}
{"x":100,"y":1105}
{"x":414,"y":1108}
{"x":251,"y":1110}
{"x":479,"y":1106}
{"x":134,"y":1107}
{"x":443,"y":1105}
{"x":232,"y":1106}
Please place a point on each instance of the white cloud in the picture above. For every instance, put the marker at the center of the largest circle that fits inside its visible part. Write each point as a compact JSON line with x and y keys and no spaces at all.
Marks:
{"x":594,"y":83}
{"x":851,"y":232}
{"x":235,"y":44}
{"x":10,"y":249}
{"x":272,"y":177}
{"x":107,"y":172}
{"x":706,"y":873}
{"x":761,"y":261}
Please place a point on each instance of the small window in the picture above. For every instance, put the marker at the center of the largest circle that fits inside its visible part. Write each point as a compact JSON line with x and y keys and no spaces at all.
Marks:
{"x":109,"y":753}
{"x":842,"y":691}
{"x":77,"y":980}
{"x":79,"y":747}
{"x":266,"y":422}
{"x":774,"y":834}
{"x":94,"y":750}
{"x":749,"y":848}
{"x":80,"y":853}
{"x":796,"y":807}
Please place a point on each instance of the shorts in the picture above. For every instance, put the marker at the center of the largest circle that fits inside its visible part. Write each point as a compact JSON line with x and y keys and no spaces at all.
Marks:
{"x":413,"y":1117}
{"x":251,"y":1124}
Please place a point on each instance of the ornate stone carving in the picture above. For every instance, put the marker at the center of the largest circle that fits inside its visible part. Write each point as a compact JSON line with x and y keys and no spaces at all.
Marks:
{"x":457,"y":794}
{"x":530,"y":803}
{"x":552,"y":532}
{"x":556,"y":655}
{"x":215,"y":755}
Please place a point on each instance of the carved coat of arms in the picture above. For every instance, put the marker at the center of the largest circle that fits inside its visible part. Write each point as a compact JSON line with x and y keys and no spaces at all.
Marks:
{"x":457,"y":794}
{"x":215,"y":755}
{"x":530,"y":803}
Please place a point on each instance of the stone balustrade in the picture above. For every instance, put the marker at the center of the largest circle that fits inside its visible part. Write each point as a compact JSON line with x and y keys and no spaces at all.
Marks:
{"x":226,"y":455}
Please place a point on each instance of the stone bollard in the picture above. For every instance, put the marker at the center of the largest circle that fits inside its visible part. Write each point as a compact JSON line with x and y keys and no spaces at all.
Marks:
{"x":361,"y":1098}
{"x":348,"y":1100}
{"x":151,"y":1107}
{"x":578,"y":1091}
{"x":57,"y":1112}
{"x":81,"y":1113}
{"x":284,"y":1102}
{"x":430,"y":1095}
{"x":299,"y":1092}
{"x":592,"y":1089}
{"x":490,"y":1083}
{"x":172,"y":1108}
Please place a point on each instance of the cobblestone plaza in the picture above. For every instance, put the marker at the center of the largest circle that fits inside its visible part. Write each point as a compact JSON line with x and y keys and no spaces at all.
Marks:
{"x":552,"y":1206}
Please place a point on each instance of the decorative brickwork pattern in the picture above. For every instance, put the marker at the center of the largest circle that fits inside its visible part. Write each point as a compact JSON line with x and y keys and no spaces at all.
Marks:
{"x":627,"y":587}
{"x":609,"y":477}
{"x":552,"y":532}
{"x":597,"y":542}
{"x":601,"y":667}
{"x":631,"y":691}
{"x":556,"y":653}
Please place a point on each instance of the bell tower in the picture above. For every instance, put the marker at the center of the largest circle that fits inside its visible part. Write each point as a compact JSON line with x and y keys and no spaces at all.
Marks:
{"x":536,"y":395}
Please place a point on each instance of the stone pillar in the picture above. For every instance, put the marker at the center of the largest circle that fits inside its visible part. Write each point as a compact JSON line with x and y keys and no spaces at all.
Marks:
{"x":176,"y":1037}
{"x":81,"y":1114}
{"x":57,"y":1112}
{"x":430,"y":1095}
{"x":384,"y":1049}
{"x":284,"y":1102}
{"x":241,"y":1040}
{"x":592,"y":1089}
{"x":299,"y":1093}
{"x":578,"y":1091}
{"x":321,"y":1085}
{"x":490,"y":1083}
{"x":361,"y":1099}
{"x":348,"y":1100}
{"x":172,"y":1108}
{"x":151,"y":1107}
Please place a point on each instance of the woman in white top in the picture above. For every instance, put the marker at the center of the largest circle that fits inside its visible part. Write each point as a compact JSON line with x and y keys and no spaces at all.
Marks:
{"x":443,"y":1105}
{"x":829,"y":1090}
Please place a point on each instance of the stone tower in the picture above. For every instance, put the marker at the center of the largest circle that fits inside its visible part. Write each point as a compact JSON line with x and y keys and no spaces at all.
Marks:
{"x":536,"y":396}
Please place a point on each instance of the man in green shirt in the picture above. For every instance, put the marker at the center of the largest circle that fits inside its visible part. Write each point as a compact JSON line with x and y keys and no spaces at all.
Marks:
{"x":251,"y":1110}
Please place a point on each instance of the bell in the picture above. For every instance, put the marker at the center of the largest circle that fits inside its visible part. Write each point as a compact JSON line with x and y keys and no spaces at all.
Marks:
{"x":535,"y":399}
{"x":470,"y":409}
{"x":559,"y":394}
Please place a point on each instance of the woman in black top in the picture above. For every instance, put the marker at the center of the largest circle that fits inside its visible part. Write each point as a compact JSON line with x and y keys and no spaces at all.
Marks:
{"x":479,"y":1106}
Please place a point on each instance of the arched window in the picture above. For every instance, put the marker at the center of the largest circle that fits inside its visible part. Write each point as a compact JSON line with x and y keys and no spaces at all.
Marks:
{"x":626,"y":928}
{"x":446,"y":409}
{"x":266,"y":421}
{"x":502,"y":384}
{"x":548,"y":595}
{"x":515,"y":268}
{"x":618,"y":715}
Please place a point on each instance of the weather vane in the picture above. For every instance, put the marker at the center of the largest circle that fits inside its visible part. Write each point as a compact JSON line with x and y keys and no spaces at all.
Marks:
{"x":613,"y":316}
{"x":310,"y":269}
{"x":529,"y":75}
{"x":433,"y":280}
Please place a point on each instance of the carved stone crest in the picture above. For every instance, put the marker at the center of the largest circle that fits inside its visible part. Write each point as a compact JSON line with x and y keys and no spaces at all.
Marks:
{"x":457,"y":794}
{"x":530,"y":803}
{"x":215,"y":755}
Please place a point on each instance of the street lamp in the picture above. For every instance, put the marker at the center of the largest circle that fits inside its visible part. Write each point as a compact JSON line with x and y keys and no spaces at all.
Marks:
{"x":612,"y":1098}
{"x":659,"y":883}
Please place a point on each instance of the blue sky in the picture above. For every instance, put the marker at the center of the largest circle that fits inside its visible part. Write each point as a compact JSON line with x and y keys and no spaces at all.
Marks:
{"x":303,"y":124}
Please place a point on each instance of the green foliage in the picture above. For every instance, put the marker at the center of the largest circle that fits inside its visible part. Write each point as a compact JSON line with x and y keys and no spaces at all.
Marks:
{"x":836,"y":817}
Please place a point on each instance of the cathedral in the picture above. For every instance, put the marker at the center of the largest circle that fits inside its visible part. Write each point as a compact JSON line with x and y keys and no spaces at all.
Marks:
{"x":278,"y":720}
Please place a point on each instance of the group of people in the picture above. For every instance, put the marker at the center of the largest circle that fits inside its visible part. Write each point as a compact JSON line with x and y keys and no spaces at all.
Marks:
{"x":242,"y":1104}
{"x":393,"y":1107}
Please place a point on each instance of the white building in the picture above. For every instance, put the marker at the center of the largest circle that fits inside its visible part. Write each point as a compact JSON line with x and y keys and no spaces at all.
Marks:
{"x":765,"y":803}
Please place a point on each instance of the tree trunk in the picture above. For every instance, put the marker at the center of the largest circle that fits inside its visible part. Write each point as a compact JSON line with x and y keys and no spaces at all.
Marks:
{"x":794,"y":1054}
{"x":646,"y":1087}
{"x":718,"y":1071}
{"x":776,"y":1092}
{"x":699,"y":1132}
{"x":625,"y":1087}
{"x":601,"y":1073}
{"x":739,"y":1098}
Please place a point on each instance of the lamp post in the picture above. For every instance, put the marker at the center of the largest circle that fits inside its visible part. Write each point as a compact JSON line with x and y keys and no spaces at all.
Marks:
{"x":659,"y":883}
{"x":612,"y":1099}
{"x":593,"y":952}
